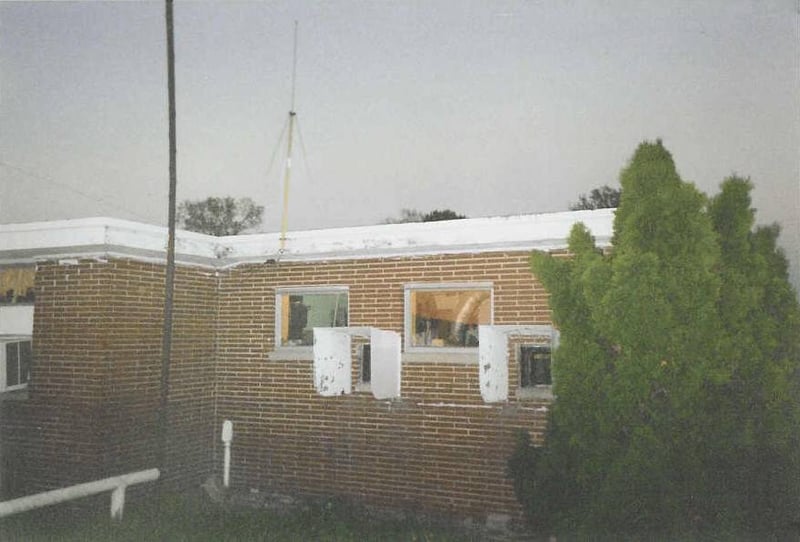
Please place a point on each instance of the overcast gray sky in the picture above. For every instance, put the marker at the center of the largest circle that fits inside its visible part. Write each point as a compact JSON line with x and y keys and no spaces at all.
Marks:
{"x":484,"y":107}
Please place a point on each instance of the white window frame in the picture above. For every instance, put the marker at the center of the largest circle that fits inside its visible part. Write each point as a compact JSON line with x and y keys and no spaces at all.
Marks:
{"x":4,"y":387}
{"x":439,"y":286}
{"x":295,"y":290}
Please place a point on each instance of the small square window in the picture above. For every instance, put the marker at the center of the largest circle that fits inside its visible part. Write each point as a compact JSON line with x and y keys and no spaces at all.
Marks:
{"x":365,"y":363}
{"x":300,"y":311}
{"x":534,"y":366}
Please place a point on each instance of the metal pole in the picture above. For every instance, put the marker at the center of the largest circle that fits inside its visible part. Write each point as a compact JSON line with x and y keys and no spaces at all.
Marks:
{"x":166,"y":346}
{"x":287,"y":173}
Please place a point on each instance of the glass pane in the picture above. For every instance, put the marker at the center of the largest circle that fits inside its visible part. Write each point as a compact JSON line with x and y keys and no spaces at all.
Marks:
{"x":12,"y":364}
{"x":25,"y":359}
{"x":448,"y":318}
{"x":301,"y":313}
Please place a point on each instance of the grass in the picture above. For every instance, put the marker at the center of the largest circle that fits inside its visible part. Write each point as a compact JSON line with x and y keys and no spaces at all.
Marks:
{"x":194,"y":518}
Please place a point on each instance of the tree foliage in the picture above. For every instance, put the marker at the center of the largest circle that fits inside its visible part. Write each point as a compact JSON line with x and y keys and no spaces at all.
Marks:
{"x":220,"y":216}
{"x":604,"y":197}
{"x":413,"y":215}
{"x":676,"y":379}
{"x":441,"y":214}
{"x":406,"y":215}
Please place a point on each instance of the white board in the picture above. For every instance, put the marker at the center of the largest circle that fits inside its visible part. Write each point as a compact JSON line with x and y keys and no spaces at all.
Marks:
{"x":386,"y":363}
{"x":332,"y":362}
{"x":16,"y":320}
{"x":493,"y":363}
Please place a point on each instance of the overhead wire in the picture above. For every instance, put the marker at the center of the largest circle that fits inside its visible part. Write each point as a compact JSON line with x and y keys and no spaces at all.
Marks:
{"x":92,"y":197}
{"x":305,"y":154}
{"x":277,"y":148}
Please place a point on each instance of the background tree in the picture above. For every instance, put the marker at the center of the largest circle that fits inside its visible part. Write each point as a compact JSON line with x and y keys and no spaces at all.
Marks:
{"x":604,"y":197}
{"x":413,"y":215}
{"x":406,"y":215}
{"x":677,"y":375}
{"x":219,"y":216}
{"x":441,"y":214}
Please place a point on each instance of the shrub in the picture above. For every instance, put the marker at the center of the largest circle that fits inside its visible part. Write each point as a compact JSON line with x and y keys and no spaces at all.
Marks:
{"x":677,"y":405}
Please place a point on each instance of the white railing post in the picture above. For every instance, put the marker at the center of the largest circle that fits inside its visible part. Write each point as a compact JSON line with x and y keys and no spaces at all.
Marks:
{"x":117,"y":502}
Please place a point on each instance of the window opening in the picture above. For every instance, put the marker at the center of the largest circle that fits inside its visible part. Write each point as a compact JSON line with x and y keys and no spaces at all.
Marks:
{"x":378,"y":372}
{"x":365,"y":363}
{"x":302,"y":311}
{"x":18,"y":356}
{"x":446,"y":316}
{"x":534,"y":366}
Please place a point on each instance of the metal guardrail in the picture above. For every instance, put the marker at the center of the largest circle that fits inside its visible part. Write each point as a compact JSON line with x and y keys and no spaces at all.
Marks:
{"x":115,"y":484}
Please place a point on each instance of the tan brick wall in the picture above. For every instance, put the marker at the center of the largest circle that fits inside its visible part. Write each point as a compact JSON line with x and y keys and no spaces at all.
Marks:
{"x":94,"y":390}
{"x":439,"y":447}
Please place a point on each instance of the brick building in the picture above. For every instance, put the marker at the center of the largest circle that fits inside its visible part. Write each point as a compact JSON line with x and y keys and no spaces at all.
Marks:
{"x":388,"y":363}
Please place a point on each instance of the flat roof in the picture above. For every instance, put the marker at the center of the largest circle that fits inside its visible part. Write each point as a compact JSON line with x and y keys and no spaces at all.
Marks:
{"x":110,"y":237}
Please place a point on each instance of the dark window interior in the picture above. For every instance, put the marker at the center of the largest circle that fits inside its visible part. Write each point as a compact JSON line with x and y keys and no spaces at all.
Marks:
{"x":534,"y":366}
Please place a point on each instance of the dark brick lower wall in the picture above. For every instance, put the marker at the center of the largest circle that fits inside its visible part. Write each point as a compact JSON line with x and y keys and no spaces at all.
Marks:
{"x":439,"y":448}
{"x":93,"y":399}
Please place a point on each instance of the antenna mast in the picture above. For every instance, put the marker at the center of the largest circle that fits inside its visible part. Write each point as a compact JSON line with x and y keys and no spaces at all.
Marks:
{"x":287,"y":174}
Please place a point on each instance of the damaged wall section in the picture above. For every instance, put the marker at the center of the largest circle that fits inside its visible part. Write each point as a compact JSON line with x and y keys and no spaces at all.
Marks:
{"x":333,"y":361}
{"x":438,"y":445}
{"x":493,"y":355}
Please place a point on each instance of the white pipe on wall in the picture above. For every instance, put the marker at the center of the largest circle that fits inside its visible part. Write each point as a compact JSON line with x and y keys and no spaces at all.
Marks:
{"x":227,"y":437}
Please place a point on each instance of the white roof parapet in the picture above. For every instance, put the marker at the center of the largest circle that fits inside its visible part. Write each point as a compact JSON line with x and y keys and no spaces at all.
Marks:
{"x":102,"y":238}
{"x":520,"y":232}
{"x":108,"y":237}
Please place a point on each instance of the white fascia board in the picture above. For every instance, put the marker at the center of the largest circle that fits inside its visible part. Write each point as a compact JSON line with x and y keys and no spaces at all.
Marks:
{"x":107,"y":237}
{"x":102,"y":238}
{"x":525,"y":232}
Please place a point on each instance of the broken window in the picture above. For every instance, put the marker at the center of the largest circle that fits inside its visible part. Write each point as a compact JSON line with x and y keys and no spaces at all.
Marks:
{"x":533,"y":347}
{"x":16,"y":367}
{"x":446,"y":316}
{"x":301,"y":310}
{"x":379,"y":368}
{"x":365,"y":364}
{"x":534,"y":366}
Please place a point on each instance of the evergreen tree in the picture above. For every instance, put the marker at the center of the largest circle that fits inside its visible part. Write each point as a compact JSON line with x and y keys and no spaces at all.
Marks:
{"x":676,"y":378}
{"x":761,"y":319}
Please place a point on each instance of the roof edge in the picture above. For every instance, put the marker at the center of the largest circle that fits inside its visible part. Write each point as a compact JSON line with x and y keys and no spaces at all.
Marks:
{"x":111,"y":237}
